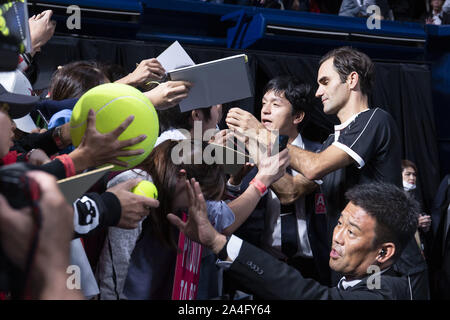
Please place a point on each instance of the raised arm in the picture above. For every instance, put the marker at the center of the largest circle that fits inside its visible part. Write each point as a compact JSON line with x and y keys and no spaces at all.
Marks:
{"x":269,"y":170}
{"x":316,"y":165}
{"x":168,"y":94}
{"x":146,"y":70}
{"x":290,"y":188}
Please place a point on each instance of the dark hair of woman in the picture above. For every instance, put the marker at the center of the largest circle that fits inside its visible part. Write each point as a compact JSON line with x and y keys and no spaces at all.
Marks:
{"x":74,"y":79}
{"x":165,"y":173}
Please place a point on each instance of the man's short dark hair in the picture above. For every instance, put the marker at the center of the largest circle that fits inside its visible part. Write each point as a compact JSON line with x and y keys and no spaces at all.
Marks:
{"x":394,"y":210}
{"x":299,"y":94}
{"x":347,"y":60}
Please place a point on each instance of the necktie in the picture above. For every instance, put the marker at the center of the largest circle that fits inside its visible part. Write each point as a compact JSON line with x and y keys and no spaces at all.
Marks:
{"x":289,"y":230}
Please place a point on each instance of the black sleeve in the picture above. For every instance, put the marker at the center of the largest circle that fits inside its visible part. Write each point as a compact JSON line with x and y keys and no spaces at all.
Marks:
{"x":361,"y":138}
{"x":93,"y":211}
{"x":269,"y":278}
{"x":49,"y":107}
{"x":54,"y":167}
{"x":42,"y":141}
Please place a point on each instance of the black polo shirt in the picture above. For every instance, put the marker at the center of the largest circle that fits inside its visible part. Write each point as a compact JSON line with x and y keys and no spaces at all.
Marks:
{"x":372,"y":140}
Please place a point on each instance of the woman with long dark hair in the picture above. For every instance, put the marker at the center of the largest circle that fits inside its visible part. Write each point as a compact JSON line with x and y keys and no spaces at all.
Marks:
{"x":152,"y":257}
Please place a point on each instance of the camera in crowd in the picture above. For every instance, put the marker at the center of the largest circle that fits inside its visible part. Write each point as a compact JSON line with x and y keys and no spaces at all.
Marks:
{"x":21,"y":191}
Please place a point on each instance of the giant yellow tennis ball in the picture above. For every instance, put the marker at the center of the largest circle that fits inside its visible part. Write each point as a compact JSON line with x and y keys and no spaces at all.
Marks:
{"x":145,"y":188}
{"x":113,"y":103}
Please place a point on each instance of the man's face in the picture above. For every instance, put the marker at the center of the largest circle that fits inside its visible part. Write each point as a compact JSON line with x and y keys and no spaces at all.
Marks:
{"x":352,"y":251}
{"x":409,"y":175}
{"x":276,"y":113}
{"x":333,"y":93}
{"x":6,"y":134}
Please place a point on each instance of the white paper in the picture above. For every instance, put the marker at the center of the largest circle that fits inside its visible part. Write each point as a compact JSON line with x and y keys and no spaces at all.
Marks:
{"x":215,"y":82}
{"x":25,"y":124}
{"x":174,"y":57}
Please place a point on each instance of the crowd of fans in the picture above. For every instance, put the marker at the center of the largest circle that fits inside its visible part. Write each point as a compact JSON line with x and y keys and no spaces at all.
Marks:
{"x":424,"y":11}
{"x":313,"y":218}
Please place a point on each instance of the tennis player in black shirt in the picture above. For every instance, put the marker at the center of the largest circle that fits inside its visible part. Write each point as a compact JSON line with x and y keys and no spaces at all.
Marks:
{"x":365,"y":147}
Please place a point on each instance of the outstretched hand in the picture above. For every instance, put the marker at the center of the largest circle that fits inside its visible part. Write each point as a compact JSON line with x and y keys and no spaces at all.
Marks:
{"x":272,"y":168}
{"x":149,"y":69}
{"x":42,"y":29}
{"x":168,"y":94}
{"x":197,"y":227}
{"x":240,"y":119}
{"x":97,"y":148}
{"x":134,"y":207}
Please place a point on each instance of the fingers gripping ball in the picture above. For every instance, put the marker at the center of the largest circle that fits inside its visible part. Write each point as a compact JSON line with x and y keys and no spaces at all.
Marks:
{"x":113,"y":103}
{"x":145,"y":188}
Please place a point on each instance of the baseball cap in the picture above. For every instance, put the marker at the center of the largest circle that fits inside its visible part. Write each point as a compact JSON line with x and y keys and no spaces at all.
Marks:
{"x":16,"y":91}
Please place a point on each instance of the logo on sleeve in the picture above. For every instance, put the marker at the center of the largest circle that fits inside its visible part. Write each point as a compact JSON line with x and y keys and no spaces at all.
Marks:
{"x":86,"y":215}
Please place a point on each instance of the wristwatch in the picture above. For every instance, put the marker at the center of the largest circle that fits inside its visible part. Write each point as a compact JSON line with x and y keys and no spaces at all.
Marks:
{"x":56,"y":135}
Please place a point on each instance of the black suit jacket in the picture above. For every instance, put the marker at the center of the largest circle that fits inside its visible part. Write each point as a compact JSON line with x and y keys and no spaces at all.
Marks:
{"x":269,"y":278}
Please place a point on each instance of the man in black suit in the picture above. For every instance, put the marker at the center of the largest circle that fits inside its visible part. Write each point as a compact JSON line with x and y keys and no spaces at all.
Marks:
{"x":372,"y":231}
{"x":297,"y":232}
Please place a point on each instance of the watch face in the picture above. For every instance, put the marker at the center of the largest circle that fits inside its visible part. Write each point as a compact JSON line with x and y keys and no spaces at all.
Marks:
{"x":57,"y":137}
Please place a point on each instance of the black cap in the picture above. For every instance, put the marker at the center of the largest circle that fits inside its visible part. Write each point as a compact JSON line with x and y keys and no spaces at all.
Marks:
{"x":19,"y":105}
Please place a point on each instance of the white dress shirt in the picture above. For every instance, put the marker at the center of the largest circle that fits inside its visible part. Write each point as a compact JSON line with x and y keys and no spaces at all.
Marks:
{"x":272,"y":232}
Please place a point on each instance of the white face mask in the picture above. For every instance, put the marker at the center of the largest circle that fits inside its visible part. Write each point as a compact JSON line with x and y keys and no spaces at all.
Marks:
{"x":407,"y":186}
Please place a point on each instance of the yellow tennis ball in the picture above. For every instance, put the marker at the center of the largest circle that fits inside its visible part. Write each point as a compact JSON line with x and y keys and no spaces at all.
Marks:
{"x":113,"y":103}
{"x":145,"y":188}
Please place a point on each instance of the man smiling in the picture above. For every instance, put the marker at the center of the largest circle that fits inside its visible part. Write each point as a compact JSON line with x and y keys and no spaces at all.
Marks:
{"x":371,"y":233}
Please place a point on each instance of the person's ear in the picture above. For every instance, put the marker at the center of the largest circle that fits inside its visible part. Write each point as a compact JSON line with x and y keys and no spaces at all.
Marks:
{"x":353,"y":80}
{"x":386,"y":252}
{"x":299,"y":116}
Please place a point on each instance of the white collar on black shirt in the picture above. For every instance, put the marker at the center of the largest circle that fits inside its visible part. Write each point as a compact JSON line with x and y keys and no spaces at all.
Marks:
{"x":346,"y":123}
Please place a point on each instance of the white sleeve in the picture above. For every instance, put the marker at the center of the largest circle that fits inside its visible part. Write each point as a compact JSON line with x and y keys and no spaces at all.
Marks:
{"x":234,"y":247}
